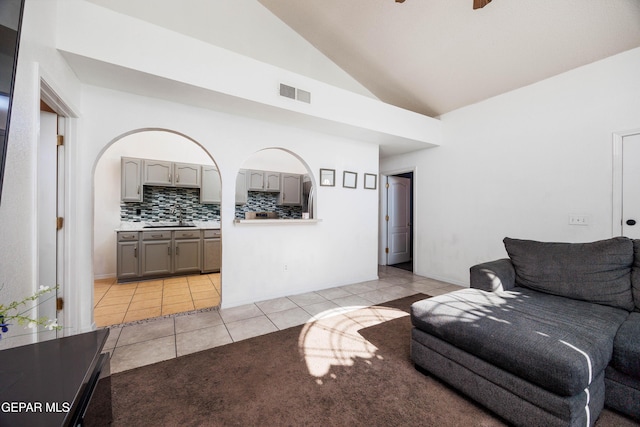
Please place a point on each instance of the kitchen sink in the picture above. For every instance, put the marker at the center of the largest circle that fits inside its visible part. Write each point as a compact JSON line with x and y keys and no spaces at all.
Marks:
{"x":168,"y":224}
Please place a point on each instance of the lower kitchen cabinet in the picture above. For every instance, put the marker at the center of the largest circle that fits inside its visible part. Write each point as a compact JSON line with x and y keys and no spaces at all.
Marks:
{"x":187,"y":256}
{"x":156,"y":257}
{"x":128,"y":263}
{"x":166,"y":253}
{"x":212,"y":251}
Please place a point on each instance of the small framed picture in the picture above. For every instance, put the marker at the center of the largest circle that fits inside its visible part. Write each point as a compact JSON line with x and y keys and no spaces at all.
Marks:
{"x":370,"y":181}
{"x":349,"y":179}
{"x":327,"y":177}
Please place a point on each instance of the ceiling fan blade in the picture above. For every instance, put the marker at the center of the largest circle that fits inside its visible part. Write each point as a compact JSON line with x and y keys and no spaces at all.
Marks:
{"x":477,"y":4}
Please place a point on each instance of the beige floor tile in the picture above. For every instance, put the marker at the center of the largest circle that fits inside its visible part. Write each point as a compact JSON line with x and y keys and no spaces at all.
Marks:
{"x":193,"y":341}
{"x":115,"y":292}
{"x":204,"y":295}
{"x":149,"y":288}
{"x":112,"y":309}
{"x":175,"y":280}
{"x":175,"y":299}
{"x":177,"y":308}
{"x":132,"y":285}
{"x":206,"y":303}
{"x":195,"y":321}
{"x":114,"y":300}
{"x":147,"y":303}
{"x":147,"y":296}
{"x":198,"y":279}
{"x":249,"y":328}
{"x":147,"y":313}
{"x":109,"y":281}
{"x":144,"y":353}
{"x":175,"y":291}
{"x":201,"y":286}
{"x":108,"y":319}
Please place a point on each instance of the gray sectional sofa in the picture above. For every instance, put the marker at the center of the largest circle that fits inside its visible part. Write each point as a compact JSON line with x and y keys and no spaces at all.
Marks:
{"x":546,"y":337}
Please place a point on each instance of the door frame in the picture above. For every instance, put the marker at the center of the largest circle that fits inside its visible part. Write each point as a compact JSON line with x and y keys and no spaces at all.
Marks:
{"x":616,"y":211}
{"x":384,"y":211}
{"x":66,"y":128}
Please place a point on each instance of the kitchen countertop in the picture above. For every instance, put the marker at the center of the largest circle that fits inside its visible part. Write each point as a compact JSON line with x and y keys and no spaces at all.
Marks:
{"x":140,"y":226}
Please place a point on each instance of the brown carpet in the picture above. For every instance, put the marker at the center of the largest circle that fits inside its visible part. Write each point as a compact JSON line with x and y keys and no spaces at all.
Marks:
{"x":348,"y":370}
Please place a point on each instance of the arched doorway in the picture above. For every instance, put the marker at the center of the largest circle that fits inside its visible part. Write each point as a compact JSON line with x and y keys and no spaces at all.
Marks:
{"x":150,"y":292}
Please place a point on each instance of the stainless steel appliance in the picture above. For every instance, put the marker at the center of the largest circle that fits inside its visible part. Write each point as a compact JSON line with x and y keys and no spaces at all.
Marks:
{"x":307,"y":198}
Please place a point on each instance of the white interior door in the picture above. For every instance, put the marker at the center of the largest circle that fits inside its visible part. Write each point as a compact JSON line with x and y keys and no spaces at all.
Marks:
{"x":631,"y":186}
{"x":399,"y":223}
{"x":47,"y":212}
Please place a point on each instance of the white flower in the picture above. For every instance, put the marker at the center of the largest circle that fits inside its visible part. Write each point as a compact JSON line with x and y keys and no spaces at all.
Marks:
{"x":53,"y":324}
{"x":44,"y":288}
{"x":32,"y":324}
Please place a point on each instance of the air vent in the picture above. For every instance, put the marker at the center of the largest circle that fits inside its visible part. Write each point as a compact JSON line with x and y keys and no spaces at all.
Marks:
{"x":303,"y":96}
{"x":287,"y":91}
{"x":294,"y":93}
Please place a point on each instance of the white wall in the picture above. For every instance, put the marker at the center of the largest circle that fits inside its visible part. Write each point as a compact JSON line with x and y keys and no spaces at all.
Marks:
{"x":338,"y":250}
{"x":156,"y":145}
{"x":242,"y":26}
{"x":519,"y":164}
{"x":38,"y":59}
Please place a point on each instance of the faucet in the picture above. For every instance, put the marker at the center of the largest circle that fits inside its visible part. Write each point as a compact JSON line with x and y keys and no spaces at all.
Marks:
{"x":177,"y":209}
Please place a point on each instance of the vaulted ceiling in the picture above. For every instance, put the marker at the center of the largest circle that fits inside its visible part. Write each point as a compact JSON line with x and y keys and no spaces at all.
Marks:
{"x":433,"y":56}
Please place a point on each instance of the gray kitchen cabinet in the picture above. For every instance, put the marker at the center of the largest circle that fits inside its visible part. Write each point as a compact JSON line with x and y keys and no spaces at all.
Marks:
{"x":211,"y":251}
{"x":263,"y":181}
{"x":131,"y":179}
{"x":272,"y":181}
{"x":169,"y":174}
{"x":157,"y":172}
{"x":241,"y":187}
{"x":290,"y":190}
{"x":186,"y":175}
{"x":156,"y":253}
{"x":186,"y":254}
{"x":210,"y":190}
{"x":128,"y":261}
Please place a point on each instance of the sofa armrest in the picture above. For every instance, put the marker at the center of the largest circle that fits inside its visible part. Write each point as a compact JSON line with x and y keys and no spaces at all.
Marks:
{"x":498,"y":275}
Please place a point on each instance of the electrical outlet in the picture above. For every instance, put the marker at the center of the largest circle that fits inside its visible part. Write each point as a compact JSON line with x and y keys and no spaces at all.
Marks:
{"x":578,"y":220}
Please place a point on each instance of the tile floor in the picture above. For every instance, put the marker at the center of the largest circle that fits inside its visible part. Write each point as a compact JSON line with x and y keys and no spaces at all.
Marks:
{"x":116,"y":303}
{"x":149,"y":342}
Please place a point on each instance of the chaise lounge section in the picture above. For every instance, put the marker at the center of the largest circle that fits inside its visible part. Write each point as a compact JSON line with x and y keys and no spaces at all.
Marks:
{"x":546,"y":337}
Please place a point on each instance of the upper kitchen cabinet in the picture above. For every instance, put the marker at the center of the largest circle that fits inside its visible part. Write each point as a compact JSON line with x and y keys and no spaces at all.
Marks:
{"x":263,"y":181}
{"x":291,"y":190}
{"x":157,"y":172}
{"x":186,"y":175}
{"x":210,"y":190}
{"x":131,"y":179}
{"x":241,"y":187}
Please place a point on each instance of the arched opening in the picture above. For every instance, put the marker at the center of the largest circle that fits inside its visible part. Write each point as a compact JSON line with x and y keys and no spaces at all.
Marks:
{"x":278,"y":182}
{"x":147,"y":262}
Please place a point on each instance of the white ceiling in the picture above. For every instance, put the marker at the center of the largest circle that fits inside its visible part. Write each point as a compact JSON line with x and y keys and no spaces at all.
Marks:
{"x":433,"y":56}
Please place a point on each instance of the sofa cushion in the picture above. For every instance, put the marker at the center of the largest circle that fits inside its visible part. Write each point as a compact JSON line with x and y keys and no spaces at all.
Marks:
{"x":635,"y":273}
{"x":626,"y":347}
{"x":598,"y":272}
{"x":557,"y":343}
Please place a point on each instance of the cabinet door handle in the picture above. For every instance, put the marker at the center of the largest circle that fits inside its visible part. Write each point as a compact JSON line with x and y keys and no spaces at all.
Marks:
{"x":156,"y":235}
{"x":138,"y":189}
{"x":177,"y":177}
{"x":169,"y":177}
{"x":135,"y":252}
{"x":177,"y":250}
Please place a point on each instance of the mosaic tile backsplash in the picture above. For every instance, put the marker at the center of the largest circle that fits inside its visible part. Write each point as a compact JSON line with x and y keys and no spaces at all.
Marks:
{"x":266,"y":202}
{"x":157,"y":203}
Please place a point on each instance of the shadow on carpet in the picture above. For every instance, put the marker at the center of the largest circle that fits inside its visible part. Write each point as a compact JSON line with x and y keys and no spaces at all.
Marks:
{"x":349,"y":369}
